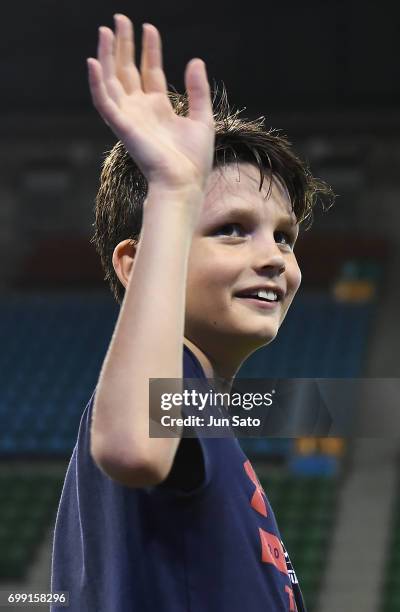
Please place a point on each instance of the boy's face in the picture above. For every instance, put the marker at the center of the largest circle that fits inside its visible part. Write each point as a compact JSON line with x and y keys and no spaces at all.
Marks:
{"x":234,"y":251}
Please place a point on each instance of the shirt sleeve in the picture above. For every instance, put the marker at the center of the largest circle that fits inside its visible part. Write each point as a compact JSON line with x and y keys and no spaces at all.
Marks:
{"x":191,"y":470}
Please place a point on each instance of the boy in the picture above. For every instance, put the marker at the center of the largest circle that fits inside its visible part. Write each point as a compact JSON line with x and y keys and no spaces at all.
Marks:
{"x":184,"y":235}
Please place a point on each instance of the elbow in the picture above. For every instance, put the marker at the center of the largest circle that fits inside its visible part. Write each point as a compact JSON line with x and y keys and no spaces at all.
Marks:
{"x":141,"y":473}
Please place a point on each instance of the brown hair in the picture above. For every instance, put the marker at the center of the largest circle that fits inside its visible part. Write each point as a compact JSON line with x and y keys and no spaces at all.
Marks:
{"x":123,"y":187}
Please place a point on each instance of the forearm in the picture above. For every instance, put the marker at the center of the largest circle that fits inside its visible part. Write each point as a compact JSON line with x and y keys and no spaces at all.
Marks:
{"x":148,"y":338}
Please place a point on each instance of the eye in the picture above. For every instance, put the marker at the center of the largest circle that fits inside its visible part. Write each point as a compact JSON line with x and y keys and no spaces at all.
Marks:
{"x":284,"y":238}
{"x":226,"y":229}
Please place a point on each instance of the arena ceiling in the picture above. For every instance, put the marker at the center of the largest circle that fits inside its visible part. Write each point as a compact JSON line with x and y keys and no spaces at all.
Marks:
{"x":309,"y":56}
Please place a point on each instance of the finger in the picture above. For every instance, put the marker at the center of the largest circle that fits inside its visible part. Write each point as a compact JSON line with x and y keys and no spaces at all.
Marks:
{"x":105,"y":54}
{"x":151,"y":67}
{"x":198,"y":90}
{"x":126,"y":69}
{"x":100,"y":97}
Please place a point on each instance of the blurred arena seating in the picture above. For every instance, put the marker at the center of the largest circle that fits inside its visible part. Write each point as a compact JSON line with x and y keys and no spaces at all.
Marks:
{"x":391,"y":583}
{"x":27,"y":506}
{"x":56,"y":344}
{"x":305,"y":509}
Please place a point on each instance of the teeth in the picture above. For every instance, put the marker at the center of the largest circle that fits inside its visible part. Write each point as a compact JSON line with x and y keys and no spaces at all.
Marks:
{"x":268,"y":295}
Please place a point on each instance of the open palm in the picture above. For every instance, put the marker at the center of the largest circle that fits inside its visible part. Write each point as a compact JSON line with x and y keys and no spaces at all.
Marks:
{"x":173,"y":152}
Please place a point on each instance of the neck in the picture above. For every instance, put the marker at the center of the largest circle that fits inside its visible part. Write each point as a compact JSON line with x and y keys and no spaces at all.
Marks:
{"x":223,"y":377}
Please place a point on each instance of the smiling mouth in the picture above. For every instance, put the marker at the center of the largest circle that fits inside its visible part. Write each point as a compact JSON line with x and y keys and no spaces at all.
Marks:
{"x":259,"y":303}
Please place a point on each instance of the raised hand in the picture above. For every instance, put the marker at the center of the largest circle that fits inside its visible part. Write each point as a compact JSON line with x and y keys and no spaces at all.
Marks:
{"x":173,"y":152}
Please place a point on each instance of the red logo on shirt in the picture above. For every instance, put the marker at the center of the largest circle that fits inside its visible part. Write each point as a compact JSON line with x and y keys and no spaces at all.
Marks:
{"x":292,"y":605}
{"x":257,"y":501}
{"x":272,"y":551}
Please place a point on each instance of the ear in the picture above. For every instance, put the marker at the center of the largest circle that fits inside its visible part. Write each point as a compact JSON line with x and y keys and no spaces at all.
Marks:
{"x":123,"y":258}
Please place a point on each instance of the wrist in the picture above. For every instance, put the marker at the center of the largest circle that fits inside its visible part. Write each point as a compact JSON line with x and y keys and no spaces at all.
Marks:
{"x":184,"y":192}
{"x":184,"y":201}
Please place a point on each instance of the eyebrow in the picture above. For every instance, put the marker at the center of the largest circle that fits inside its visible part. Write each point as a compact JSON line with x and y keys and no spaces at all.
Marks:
{"x":245,"y":211}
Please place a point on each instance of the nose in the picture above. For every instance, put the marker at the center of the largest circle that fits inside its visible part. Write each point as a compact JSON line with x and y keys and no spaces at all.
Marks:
{"x":270,"y":260}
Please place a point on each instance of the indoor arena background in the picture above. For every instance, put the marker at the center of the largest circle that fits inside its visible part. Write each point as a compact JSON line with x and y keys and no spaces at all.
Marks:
{"x":327,"y":74}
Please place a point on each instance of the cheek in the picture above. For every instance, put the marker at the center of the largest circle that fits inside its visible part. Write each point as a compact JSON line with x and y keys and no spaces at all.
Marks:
{"x":293,"y":278}
{"x":210,"y":288}
{"x":210,"y":272}
{"x":298,"y":279}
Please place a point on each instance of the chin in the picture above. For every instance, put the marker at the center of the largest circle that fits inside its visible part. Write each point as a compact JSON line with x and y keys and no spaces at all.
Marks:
{"x":266,"y":339}
{"x":261,"y":337}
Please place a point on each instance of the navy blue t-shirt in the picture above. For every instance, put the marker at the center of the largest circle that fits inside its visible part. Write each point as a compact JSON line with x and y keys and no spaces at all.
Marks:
{"x":205,"y":540}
